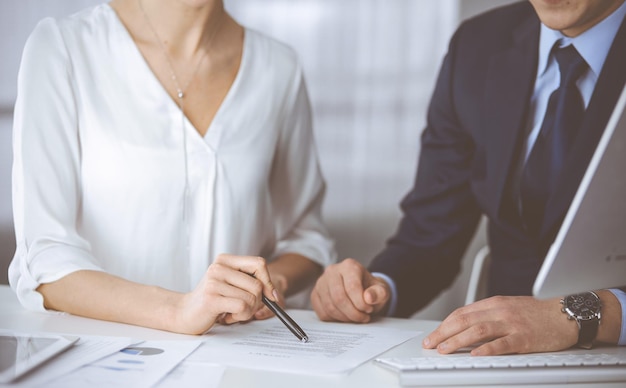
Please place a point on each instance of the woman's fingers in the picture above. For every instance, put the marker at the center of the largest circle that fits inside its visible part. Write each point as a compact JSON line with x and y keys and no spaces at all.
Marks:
{"x":223,"y":274}
{"x":231,"y":291}
{"x":254,"y":266}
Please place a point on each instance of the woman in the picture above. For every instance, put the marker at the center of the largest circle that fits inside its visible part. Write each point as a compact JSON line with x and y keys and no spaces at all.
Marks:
{"x":151,"y":136}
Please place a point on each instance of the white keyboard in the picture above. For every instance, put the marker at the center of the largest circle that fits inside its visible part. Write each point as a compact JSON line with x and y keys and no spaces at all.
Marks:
{"x":550,"y":368}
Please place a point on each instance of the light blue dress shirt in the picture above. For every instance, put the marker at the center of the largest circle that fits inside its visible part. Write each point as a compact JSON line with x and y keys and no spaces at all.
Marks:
{"x":593,"y":45}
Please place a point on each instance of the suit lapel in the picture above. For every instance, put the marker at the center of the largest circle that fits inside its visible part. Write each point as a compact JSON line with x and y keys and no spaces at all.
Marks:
{"x":507,"y":92}
{"x":608,"y":88}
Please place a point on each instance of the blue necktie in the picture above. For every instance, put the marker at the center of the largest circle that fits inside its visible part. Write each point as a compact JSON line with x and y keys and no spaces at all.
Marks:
{"x":560,"y":125}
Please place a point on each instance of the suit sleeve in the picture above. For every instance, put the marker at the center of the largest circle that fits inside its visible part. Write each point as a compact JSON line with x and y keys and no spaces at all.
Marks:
{"x":440,"y":214}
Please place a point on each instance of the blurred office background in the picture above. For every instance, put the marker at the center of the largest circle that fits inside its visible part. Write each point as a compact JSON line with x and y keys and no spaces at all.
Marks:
{"x":370,"y":66}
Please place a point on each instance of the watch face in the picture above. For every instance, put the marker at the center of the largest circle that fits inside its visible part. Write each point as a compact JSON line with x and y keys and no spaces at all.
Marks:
{"x":583,"y":306}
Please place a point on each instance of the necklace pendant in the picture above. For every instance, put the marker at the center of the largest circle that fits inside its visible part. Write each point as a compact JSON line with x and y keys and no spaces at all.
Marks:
{"x":181,"y":94}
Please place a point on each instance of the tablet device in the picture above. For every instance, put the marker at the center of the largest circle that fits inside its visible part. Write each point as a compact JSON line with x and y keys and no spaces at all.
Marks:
{"x":589,"y":252}
{"x":20,"y":353}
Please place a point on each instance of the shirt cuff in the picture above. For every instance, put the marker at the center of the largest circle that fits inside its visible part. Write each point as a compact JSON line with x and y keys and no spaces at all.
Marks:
{"x":393,"y":303}
{"x":621,"y":296}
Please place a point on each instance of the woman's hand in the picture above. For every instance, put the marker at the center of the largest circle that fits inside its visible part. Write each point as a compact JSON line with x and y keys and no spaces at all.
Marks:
{"x":290,"y":273}
{"x":280,"y":284}
{"x":230,"y":291}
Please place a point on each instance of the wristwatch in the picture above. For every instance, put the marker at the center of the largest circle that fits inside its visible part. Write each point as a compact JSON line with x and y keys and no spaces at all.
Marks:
{"x":585,"y":308}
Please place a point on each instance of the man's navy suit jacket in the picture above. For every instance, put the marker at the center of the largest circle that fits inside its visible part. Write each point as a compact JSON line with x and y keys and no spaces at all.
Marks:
{"x":469,"y":152}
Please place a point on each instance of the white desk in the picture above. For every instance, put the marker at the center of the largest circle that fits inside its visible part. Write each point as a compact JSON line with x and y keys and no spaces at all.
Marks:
{"x":14,"y":317}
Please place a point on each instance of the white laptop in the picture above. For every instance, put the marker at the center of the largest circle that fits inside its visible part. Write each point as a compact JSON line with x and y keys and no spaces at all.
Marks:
{"x":589,"y":252}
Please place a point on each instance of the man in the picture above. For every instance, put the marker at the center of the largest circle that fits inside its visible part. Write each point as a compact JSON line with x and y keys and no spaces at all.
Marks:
{"x":521,"y":101}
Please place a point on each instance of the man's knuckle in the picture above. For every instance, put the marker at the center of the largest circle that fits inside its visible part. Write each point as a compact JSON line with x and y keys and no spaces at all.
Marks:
{"x":351,"y":264}
{"x":461,"y":320}
{"x":506,"y":345}
{"x":353,"y":286}
{"x":482,"y":330}
{"x":337,"y":298}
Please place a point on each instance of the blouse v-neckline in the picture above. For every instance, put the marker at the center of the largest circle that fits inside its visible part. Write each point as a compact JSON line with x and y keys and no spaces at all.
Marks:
{"x":213,"y":127}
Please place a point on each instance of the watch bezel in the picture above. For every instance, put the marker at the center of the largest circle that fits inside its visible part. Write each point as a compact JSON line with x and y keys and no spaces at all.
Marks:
{"x":584,"y":306}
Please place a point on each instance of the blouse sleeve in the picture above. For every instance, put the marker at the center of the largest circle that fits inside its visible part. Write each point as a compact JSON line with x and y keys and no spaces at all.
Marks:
{"x":297,"y":185}
{"x":46,"y":183}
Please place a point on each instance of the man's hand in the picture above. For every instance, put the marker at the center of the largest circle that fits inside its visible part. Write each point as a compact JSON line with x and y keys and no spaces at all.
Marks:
{"x":504,"y":325}
{"x":347,"y":292}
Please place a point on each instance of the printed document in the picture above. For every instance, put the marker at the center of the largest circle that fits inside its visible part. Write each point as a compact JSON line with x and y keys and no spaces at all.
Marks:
{"x":192,"y":373}
{"x":140,"y":365}
{"x":88,"y":349}
{"x":332,"y":347}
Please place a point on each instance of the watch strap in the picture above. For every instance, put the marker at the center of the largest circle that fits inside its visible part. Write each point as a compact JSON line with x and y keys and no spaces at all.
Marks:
{"x":589,"y":321}
{"x":588,"y":332}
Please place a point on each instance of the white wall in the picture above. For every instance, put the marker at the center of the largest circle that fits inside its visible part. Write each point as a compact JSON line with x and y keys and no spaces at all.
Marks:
{"x":370,"y":67}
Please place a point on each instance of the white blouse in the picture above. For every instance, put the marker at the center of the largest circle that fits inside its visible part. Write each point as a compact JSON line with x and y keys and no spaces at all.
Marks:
{"x":99,"y":176}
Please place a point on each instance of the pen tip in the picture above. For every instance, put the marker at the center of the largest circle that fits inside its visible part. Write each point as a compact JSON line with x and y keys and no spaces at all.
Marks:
{"x":305,"y":339}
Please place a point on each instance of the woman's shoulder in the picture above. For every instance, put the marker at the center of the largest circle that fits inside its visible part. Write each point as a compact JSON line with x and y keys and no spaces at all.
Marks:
{"x":81,"y":25}
{"x":277,"y":54}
